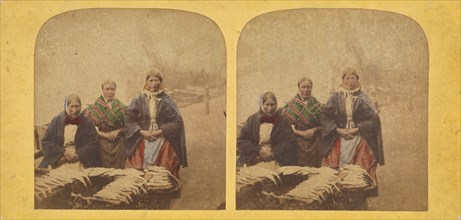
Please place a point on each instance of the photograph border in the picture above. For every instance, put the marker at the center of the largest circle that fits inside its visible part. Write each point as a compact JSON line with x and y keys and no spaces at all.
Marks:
{"x":22,"y":20}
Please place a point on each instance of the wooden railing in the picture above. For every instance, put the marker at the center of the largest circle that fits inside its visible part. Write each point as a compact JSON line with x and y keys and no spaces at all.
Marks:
{"x":195,"y":94}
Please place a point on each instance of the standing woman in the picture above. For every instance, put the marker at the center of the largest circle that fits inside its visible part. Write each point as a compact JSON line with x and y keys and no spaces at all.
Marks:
{"x":154,"y":129}
{"x":303,"y":111}
{"x":351,"y":128}
{"x":71,"y":138}
{"x":107,"y":113}
{"x":266,"y":137}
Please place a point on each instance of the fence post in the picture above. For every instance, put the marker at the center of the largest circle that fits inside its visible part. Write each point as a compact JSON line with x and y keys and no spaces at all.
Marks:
{"x":207,"y":99}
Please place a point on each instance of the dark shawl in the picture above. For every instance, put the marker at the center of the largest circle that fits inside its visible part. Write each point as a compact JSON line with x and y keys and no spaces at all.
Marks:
{"x":364,"y":116}
{"x":282,"y":141}
{"x":86,"y":142}
{"x":168,"y":119}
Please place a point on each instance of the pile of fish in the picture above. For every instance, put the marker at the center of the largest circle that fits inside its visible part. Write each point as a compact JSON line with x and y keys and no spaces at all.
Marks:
{"x":55,"y":180}
{"x":160,"y":179}
{"x":126,"y":184}
{"x":314,"y":185}
{"x":123,"y":185}
{"x":303,"y":171}
{"x":354,"y":177}
{"x":251,"y":175}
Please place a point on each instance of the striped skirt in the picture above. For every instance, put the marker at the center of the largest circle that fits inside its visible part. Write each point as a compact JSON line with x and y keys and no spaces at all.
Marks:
{"x":363,"y":157}
{"x":167,"y":158}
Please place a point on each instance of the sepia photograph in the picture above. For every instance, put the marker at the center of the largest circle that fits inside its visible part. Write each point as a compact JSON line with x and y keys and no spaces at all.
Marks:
{"x":230,"y":109}
{"x":332,"y":111}
{"x":120,"y":95}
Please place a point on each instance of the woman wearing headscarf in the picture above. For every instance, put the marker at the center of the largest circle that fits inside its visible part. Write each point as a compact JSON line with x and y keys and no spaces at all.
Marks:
{"x":70,"y":138}
{"x":154,"y":128}
{"x":303,"y":111}
{"x":107,"y":113}
{"x":266,"y":137}
{"x":351,"y":127}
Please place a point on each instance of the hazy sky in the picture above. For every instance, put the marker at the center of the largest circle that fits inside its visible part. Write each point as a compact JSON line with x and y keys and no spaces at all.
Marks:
{"x":77,"y":50}
{"x":276,"y":49}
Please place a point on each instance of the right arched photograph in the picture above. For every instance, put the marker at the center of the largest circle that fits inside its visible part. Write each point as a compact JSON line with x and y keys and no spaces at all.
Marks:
{"x":332,"y":111}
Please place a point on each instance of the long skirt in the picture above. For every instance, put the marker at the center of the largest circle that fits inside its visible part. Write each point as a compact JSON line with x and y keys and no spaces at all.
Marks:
{"x":309,"y":151}
{"x":113,"y":153}
{"x":167,"y":158}
{"x":363,"y":157}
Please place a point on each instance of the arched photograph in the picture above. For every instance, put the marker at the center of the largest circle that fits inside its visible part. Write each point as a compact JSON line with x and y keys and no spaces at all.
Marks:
{"x":332,"y":111}
{"x":120,"y":100}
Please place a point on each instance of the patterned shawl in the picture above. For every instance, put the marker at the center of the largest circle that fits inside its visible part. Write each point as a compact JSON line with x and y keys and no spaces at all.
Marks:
{"x":308,"y":113}
{"x":107,"y":117}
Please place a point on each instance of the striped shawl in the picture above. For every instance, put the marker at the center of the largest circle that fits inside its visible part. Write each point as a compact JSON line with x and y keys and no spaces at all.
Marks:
{"x":107,"y":117}
{"x":308,"y":113}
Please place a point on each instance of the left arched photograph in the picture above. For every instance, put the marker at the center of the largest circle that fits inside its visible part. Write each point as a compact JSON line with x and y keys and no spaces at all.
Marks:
{"x":120,"y":100}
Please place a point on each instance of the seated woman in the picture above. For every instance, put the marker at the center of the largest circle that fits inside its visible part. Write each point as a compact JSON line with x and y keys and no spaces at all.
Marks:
{"x":351,"y":128}
{"x":107,"y":113}
{"x":303,"y":111}
{"x":70,"y":139}
{"x":267,"y":137}
{"x":154,"y":129}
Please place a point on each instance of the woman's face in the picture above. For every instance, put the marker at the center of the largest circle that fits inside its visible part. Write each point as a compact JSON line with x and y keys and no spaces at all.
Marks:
{"x":305,"y":89}
{"x":108,"y":91}
{"x":350,"y":81}
{"x":269,"y":107}
{"x":153,"y":84}
{"x":73,"y":109}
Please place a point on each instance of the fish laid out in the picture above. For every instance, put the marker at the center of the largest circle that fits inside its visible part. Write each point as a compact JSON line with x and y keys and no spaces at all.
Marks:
{"x":55,"y":180}
{"x":314,"y":185}
{"x":126,"y":185}
{"x":254,"y":174}
{"x":159,"y":178}
{"x":354,"y":177}
{"x":123,"y":184}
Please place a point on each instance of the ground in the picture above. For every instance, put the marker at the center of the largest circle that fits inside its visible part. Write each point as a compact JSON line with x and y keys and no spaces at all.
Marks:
{"x":403,"y":180}
{"x":203,"y":181}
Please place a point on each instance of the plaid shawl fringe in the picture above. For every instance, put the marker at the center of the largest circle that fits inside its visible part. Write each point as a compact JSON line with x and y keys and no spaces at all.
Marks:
{"x":105,"y":117}
{"x":308,"y":113}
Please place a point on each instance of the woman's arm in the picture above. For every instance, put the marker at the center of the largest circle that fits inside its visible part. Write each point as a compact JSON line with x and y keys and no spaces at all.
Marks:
{"x":132,"y":117}
{"x":306,"y":133}
{"x":328,"y":116}
{"x":283,"y":143}
{"x":247,"y":145}
{"x":368,"y":121}
{"x":87,"y":144}
{"x":51,"y":148}
{"x":112,"y":135}
{"x":169,"y":121}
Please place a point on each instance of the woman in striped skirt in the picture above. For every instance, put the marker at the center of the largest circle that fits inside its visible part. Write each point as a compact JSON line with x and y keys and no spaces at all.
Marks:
{"x":351,"y":128}
{"x":154,"y":129}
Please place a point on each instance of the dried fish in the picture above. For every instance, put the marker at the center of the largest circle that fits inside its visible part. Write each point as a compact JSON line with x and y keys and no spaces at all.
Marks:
{"x":50,"y":182}
{"x":354,"y":177}
{"x":315,"y":188}
{"x":256,"y":173}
